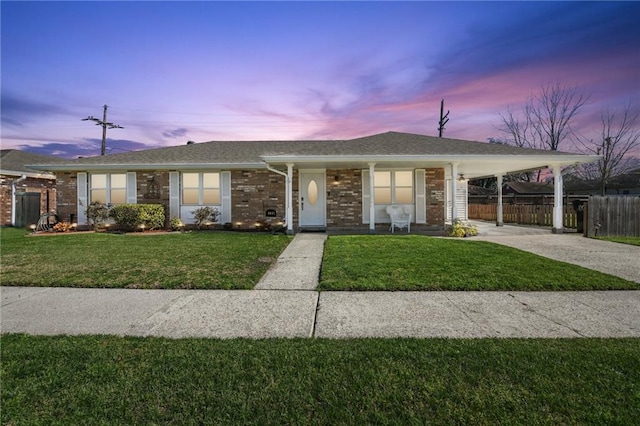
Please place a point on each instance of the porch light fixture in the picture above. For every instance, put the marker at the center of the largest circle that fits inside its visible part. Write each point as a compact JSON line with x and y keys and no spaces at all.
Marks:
{"x":461,"y":178}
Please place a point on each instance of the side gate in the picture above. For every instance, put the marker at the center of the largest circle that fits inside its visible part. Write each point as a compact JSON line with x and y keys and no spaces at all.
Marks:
{"x":27,"y":209}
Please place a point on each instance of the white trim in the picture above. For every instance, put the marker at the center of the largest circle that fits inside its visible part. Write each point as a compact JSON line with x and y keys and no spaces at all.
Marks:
{"x":365,"y":196}
{"x":81,"y":183}
{"x":132,"y":193}
{"x":174,"y":195}
{"x":225,"y":196}
{"x":557,"y":199}
{"x":420,"y":196}
{"x":372,"y":206}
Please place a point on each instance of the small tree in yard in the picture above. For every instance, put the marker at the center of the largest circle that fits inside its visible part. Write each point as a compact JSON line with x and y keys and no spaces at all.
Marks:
{"x":205,"y":216}
{"x":97,"y":213}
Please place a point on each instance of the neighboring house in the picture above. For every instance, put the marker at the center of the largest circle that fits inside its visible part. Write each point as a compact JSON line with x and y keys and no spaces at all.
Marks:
{"x":307,"y":184}
{"x":625,"y":184}
{"x":25,"y":193}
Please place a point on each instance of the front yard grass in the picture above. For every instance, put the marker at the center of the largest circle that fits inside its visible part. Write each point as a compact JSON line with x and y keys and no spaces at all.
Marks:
{"x":198,"y":260}
{"x":366,"y":262}
{"x":115,"y":380}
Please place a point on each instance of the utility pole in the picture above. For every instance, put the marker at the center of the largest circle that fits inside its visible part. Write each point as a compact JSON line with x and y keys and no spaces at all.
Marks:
{"x":444,"y":118}
{"x":105,"y":125}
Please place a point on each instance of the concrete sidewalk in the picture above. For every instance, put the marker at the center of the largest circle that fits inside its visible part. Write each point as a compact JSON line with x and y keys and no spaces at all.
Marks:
{"x":285,"y":304}
{"x":293,"y":313}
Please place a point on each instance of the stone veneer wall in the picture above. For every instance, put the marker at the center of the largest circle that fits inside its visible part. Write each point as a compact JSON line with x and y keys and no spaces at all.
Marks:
{"x":435,"y":197}
{"x":46,"y":188}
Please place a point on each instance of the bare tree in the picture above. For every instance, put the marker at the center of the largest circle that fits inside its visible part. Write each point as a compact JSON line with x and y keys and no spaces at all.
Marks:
{"x":545,"y":119}
{"x":620,"y":136}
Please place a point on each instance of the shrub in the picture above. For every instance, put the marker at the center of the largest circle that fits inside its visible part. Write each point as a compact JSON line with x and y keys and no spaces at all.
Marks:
{"x":205,"y":215}
{"x":97,"y":213}
{"x":461,"y":228}
{"x":130,"y":217}
{"x":176,"y":224}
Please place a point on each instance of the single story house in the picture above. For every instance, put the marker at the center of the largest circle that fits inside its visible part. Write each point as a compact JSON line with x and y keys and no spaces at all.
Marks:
{"x":307,"y":184}
{"x":25,"y":193}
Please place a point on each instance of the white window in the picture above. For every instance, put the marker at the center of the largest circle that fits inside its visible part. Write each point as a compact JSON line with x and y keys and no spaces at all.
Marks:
{"x":200,"y":189}
{"x":393,"y":187}
{"x":108,"y":188}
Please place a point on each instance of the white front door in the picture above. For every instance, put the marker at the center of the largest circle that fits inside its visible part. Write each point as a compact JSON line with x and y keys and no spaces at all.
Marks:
{"x":312,"y":202}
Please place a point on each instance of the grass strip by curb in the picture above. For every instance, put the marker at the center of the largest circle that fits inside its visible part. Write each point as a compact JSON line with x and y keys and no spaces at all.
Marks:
{"x":114,"y":380}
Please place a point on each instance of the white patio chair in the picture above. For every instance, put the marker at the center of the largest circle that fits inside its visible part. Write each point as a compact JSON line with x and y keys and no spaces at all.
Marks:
{"x":400,"y":218}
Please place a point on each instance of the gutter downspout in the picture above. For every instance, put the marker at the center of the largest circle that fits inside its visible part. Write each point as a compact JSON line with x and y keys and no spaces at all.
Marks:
{"x":288,"y":191}
{"x":14,"y":185}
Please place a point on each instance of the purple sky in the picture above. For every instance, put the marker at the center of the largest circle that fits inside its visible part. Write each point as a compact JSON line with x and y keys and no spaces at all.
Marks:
{"x":177,"y":71}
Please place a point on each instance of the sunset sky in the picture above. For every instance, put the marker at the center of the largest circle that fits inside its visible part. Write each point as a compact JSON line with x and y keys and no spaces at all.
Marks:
{"x":178,"y":71}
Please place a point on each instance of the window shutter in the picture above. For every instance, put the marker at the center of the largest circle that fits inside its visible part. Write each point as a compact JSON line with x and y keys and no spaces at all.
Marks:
{"x":461,"y":200}
{"x":421,"y":201}
{"x":132,"y":195}
{"x":225,"y":199}
{"x":365,"y":196}
{"x":174,"y":195}
{"x":82,"y":198}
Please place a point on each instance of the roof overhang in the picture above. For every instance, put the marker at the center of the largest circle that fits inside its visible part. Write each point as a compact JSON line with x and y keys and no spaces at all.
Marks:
{"x":470,"y":166}
{"x":133,"y":167}
{"x":35,"y":175}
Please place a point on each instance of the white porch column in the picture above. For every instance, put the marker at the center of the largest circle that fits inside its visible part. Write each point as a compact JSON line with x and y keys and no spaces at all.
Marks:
{"x":557,"y":200}
{"x":454,"y":191}
{"x":499,"y":218}
{"x":289,"y":198}
{"x":372,"y":201}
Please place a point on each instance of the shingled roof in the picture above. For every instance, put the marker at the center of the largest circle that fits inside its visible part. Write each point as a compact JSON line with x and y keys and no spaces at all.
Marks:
{"x":255,"y":152}
{"x":390,"y":150}
{"x":14,"y":162}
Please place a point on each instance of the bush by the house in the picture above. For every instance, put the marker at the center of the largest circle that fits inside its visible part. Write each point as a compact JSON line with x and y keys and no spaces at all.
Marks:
{"x":461,"y":228}
{"x":97,"y":213}
{"x":176,"y":224}
{"x":205,"y":216}
{"x":130,"y":217}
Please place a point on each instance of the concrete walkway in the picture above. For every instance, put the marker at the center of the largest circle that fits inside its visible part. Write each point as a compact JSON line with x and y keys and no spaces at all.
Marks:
{"x":298,"y":267}
{"x":284,"y":304}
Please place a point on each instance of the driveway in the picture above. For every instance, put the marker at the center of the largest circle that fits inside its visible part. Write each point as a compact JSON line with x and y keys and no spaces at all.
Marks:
{"x":622,"y":260}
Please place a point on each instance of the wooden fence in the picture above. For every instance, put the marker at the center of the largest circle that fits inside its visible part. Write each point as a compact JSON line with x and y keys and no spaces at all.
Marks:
{"x":526,"y":214}
{"x":613,"y":216}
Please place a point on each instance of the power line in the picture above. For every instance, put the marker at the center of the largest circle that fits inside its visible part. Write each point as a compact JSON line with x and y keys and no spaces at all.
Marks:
{"x":105,"y":125}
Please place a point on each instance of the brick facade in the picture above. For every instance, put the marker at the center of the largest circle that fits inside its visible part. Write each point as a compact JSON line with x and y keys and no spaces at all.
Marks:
{"x":253,"y":192}
{"x":45,"y":187}
{"x":67,"y":188}
{"x":435,"y":197}
{"x":344,"y":198}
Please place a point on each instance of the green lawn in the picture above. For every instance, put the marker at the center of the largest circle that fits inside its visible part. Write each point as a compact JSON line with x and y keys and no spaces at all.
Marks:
{"x":114,"y":380}
{"x":203,"y":260}
{"x":635,"y":241}
{"x":365,"y":262}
